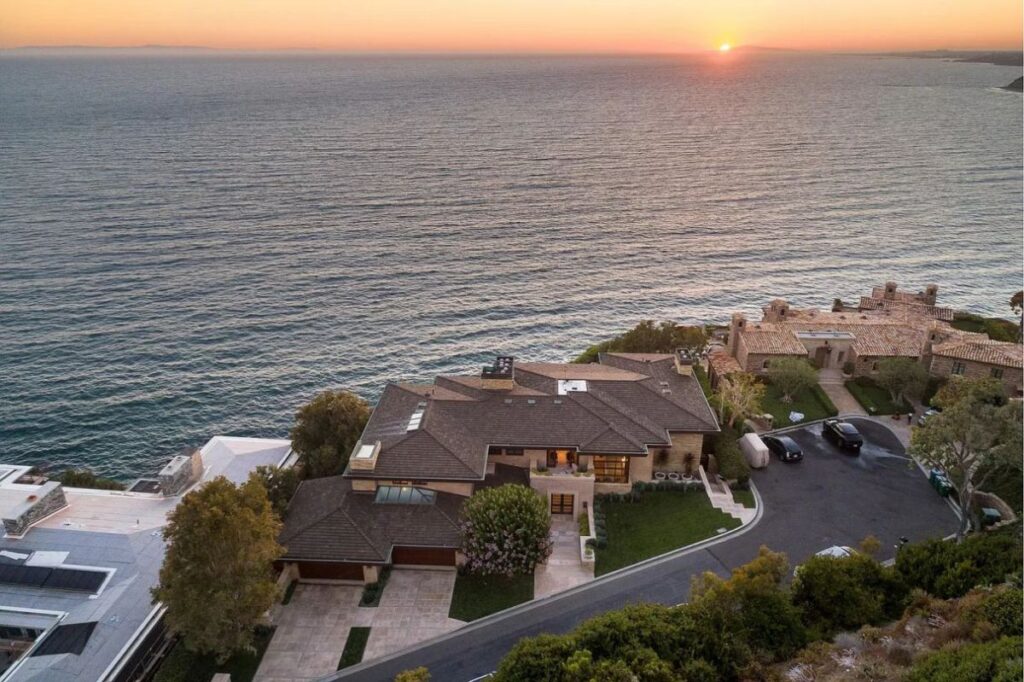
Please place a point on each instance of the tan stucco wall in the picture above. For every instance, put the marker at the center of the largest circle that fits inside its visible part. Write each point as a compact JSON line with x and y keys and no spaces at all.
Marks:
{"x":365,"y":485}
{"x":641,"y":468}
{"x":371,"y":574}
{"x":581,"y":487}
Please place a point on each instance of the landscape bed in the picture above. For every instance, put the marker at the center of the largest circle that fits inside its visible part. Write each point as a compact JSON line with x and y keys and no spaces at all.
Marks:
{"x":875,"y":399}
{"x":182,"y":665}
{"x":659,"y":522}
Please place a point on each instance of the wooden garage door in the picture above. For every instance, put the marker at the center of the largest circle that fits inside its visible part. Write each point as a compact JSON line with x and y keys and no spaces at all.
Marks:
{"x":311,"y":570}
{"x":423,"y":556}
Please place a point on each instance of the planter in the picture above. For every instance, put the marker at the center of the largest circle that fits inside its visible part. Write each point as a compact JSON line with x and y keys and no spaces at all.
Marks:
{"x":659,"y":475}
{"x":673,"y":476}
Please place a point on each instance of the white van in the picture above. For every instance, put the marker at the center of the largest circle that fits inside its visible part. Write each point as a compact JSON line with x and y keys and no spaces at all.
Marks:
{"x":755,"y":451}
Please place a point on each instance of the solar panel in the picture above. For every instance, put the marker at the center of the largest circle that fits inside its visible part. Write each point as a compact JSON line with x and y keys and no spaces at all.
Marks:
{"x":19,"y":574}
{"x":66,"y":639}
{"x":75,"y":579}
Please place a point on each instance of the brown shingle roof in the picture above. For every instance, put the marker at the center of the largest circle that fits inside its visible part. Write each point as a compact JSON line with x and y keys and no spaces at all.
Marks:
{"x":989,"y":352}
{"x":625,"y":409}
{"x":327,"y":521}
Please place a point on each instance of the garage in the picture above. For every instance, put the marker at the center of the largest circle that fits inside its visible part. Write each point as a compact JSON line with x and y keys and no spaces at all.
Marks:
{"x":422,"y":556}
{"x":312,"y":570}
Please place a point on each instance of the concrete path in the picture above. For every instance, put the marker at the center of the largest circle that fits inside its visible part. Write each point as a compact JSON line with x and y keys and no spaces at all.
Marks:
{"x":563,"y":568}
{"x":833,"y":384}
{"x":414,"y":607}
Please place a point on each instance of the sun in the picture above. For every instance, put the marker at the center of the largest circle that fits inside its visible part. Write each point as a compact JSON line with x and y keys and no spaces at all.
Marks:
{"x":724,"y":47}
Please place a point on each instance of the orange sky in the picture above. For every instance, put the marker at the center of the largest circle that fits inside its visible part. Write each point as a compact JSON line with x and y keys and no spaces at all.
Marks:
{"x":516,"y":25}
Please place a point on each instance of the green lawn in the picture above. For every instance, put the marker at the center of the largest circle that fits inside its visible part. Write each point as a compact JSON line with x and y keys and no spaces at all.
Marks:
{"x":658,"y":523}
{"x":355,"y":645}
{"x":181,"y":665}
{"x":814,"y":404}
{"x":873,"y":398}
{"x":476,"y":596}
{"x":744,"y":497}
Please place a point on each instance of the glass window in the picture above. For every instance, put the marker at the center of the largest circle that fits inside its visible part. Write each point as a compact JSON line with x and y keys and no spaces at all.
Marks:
{"x":611,"y":469}
{"x":392,"y":494}
{"x":495,"y":450}
{"x":958,"y":368}
{"x":997,"y":373}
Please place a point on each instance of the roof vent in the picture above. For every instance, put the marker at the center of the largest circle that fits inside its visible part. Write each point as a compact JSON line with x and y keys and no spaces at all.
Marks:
{"x":666,"y":391}
{"x":556,"y":401}
{"x":531,"y":401}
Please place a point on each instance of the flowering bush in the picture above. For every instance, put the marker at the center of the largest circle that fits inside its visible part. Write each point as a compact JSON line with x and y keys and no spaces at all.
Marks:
{"x":505,"y":531}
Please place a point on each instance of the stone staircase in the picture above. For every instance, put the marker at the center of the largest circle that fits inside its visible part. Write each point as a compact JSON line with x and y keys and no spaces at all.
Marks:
{"x":721,"y":498}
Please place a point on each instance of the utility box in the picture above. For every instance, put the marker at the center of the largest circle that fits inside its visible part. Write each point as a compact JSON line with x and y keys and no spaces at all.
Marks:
{"x":754,"y":450}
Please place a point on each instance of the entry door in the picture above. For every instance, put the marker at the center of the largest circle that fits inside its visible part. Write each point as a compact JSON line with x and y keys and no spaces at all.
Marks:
{"x":562,"y":504}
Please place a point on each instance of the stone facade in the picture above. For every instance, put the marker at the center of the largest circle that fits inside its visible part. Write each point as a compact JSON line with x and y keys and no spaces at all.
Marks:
{"x":37,"y":505}
{"x":180,"y":473}
{"x":1013,"y":379}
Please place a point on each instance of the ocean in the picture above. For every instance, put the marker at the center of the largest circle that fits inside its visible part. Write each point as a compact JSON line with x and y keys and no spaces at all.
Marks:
{"x":194,"y":245}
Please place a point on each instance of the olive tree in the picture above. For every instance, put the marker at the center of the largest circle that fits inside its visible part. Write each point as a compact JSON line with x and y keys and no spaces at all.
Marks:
{"x":505,"y":530}
{"x":217,"y":579}
{"x":792,"y":376}
{"x":904,"y":378}
{"x":326,"y":430}
{"x":743,"y":393}
{"x":977,"y":435}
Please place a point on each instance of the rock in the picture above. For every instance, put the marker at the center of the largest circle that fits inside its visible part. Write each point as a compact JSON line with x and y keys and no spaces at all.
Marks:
{"x":1016,"y":86}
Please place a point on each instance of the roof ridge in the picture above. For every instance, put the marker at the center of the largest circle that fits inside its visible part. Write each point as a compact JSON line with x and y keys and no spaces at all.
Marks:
{"x":359,"y":529}
{"x":425,"y":431}
{"x":628,"y":415}
{"x":337,"y":503}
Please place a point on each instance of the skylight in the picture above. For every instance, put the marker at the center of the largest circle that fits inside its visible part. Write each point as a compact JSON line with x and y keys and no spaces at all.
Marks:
{"x":393,"y":494}
{"x":566,"y":386}
{"x":416,"y":418}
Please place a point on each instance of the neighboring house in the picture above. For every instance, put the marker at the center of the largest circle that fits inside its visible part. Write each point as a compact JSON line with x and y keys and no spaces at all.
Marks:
{"x":721,"y":365}
{"x":567,"y":430}
{"x":923,"y":303}
{"x":77,"y":565}
{"x":980,"y":358}
{"x":863,"y":338}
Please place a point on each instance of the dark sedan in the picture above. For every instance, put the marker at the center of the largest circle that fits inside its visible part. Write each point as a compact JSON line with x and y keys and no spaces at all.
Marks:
{"x":843,"y":434}
{"x":784,"y":447}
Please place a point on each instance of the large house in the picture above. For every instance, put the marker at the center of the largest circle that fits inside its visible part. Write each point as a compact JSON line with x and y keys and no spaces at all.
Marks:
{"x":77,"y":565}
{"x":567,"y":430}
{"x":887,"y":324}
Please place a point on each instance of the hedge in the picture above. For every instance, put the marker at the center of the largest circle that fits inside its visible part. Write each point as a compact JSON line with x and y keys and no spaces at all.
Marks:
{"x":732,"y":465}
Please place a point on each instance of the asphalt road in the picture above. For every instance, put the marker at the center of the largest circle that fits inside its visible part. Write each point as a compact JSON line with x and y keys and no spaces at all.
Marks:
{"x":830,"y":498}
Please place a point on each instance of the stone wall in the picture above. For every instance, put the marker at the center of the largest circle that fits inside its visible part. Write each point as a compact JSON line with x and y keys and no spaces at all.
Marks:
{"x":1013,"y":379}
{"x":180,"y":473}
{"x":37,"y":505}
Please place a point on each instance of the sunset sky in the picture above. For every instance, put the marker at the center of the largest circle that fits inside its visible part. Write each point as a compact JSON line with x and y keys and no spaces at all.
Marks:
{"x":516,"y":25}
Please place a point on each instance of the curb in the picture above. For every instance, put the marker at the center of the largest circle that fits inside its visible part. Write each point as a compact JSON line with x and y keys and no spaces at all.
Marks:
{"x":537,"y":603}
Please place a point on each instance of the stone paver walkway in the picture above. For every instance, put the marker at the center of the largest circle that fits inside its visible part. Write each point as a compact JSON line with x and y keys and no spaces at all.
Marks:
{"x":414,"y":607}
{"x":563,"y":568}
{"x":831,"y":381}
{"x":312,"y":628}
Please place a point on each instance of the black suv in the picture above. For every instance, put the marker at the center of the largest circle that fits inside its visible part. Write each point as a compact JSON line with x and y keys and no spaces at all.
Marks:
{"x":843,"y":434}
{"x":784,"y":447}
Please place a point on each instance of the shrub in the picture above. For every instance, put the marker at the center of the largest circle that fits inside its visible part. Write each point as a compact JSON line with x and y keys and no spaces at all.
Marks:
{"x":584,"y":523}
{"x":182,"y":665}
{"x":419,"y":674}
{"x":1001,"y":608}
{"x":85,"y":478}
{"x":992,"y":661}
{"x":835,"y":594}
{"x":505,"y":530}
{"x":536,"y":658}
{"x":849,"y":367}
{"x":732,"y":465}
{"x":948,"y":570}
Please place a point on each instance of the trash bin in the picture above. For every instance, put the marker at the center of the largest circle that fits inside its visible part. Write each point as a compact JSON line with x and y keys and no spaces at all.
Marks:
{"x":940,"y":482}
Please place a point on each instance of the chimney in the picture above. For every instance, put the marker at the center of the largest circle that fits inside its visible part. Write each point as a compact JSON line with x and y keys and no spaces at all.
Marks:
{"x":500,"y":376}
{"x":777,"y":311}
{"x":931,"y":294}
{"x":180,"y":473}
{"x":890,"y":291}
{"x":738,"y":325}
{"x":684,"y":364}
{"x":364,"y":456}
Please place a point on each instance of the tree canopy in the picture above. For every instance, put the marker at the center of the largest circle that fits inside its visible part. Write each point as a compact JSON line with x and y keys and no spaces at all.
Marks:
{"x":651,"y":337}
{"x":217,"y":579}
{"x":977,"y":435}
{"x":326,"y":430}
{"x":741,"y":393}
{"x":902,"y":377}
{"x":280,"y":485}
{"x":792,"y":376}
{"x":505,"y":530}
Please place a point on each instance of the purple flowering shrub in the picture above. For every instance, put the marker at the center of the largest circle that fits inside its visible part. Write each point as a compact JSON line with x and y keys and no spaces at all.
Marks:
{"x":505,"y":531}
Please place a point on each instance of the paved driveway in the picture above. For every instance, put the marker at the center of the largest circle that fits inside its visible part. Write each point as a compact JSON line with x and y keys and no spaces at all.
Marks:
{"x":829,"y":498}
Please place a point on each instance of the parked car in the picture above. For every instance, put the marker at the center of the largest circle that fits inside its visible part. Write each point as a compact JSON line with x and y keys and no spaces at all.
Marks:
{"x":843,"y":434}
{"x":784,"y":447}
{"x":928,"y":414}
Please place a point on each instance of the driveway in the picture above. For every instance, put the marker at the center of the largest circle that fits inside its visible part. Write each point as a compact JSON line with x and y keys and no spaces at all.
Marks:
{"x":312,"y":628}
{"x":829,"y":498}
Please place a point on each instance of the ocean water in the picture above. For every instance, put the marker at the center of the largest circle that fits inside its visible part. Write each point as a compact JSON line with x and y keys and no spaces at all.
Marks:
{"x":195,"y":245}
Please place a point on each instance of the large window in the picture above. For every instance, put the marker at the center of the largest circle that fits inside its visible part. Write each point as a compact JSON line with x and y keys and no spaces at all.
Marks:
{"x":958,"y":368}
{"x":611,"y":469}
{"x":497,"y":450}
